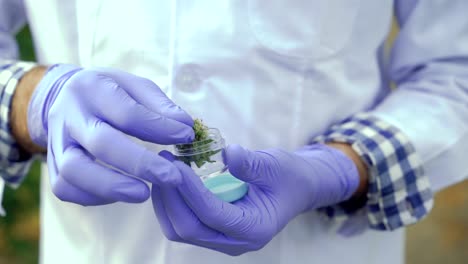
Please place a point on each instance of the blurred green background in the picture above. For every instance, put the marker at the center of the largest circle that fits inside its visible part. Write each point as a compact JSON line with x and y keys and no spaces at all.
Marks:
{"x":19,"y":230}
{"x":440,"y":238}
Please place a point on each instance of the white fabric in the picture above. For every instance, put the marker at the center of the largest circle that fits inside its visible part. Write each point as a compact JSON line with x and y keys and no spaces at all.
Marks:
{"x":266,"y":76}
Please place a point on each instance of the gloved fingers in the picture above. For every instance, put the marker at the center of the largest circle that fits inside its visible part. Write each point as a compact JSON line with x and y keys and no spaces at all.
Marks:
{"x":69,"y":193}
{"x":125,"y":114}
{"x":161,"y":215}
{"x":212,"y":211}
{"x":65,"y":191}
{"x":250,"y":166}
{"x":113,"y":147}
{"x":185,"y":223}
{"x":166,"y":225}
{"x":150,"y":95}
{"x":167,"y":155}
{"x":80,"y":170}
{"x":188,"y":228}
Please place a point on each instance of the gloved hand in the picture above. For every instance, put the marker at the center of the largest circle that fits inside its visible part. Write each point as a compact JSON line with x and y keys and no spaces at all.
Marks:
{"x":281,"y":186}
{"x":83,"y":117}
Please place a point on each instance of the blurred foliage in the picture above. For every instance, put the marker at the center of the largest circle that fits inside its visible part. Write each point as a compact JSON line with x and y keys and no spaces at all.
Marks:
{"x":25,"y":45}
{"x":19,"y":230}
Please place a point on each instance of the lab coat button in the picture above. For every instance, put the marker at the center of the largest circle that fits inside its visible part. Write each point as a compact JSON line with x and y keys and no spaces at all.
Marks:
{"x":187,"y":78}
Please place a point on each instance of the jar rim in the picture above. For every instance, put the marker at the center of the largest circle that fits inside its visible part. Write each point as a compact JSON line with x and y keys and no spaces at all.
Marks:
{"x":214,"y":142}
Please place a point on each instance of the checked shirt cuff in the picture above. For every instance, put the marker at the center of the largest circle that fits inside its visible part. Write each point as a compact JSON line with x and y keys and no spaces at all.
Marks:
{"x":399,"y":192}
{"x":14,"y":162}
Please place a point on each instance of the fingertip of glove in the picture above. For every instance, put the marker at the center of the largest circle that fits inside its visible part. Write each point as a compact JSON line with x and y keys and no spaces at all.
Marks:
{"x":183,"y":117}
{"x":191,"y":136}
{"x":133,"y":193}
{"x":236,"y":159}
{"x":170,"y":176}
{"x":175,"y":112}
{"x":144,"y":193}
{"x":186,"y":135}
{"x":185,"y":170}
{"x":175,"y":166}
{"x":167,"y":155}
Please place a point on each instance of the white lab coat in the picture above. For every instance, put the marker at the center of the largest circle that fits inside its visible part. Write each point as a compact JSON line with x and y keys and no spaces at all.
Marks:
{"x":264,"y":75}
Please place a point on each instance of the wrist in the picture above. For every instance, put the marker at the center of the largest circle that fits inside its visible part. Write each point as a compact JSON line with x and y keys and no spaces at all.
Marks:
{"x":19,"y":109}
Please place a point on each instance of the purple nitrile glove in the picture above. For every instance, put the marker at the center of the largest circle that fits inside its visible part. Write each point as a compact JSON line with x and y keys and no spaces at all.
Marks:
{"x":83,"y":117}
{"x":281,"y":186}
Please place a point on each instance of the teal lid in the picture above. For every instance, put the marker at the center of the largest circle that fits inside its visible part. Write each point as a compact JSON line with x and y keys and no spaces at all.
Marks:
{"x":226,"y":187}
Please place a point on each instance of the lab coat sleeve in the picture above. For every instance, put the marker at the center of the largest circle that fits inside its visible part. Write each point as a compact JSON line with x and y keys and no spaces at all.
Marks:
{"x":429,"y":64}
{"x":428,"y":111}
{"x":14,"y":163}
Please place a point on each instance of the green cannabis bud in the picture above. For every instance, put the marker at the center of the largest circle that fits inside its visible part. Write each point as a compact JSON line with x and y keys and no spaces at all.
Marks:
{"x":201,"y":131}
{"x":200,"y":146}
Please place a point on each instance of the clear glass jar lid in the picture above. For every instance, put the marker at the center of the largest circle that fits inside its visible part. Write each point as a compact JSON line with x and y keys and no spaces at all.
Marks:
{"x":205,"y":157}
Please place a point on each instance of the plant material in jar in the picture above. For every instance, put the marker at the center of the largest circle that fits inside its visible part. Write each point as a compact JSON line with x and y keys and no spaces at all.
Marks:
{"x":200,"y":144}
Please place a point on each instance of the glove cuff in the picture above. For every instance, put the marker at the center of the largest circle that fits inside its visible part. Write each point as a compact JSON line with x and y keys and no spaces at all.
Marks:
{"x":43,"y":97}
{"x":338,"y":176}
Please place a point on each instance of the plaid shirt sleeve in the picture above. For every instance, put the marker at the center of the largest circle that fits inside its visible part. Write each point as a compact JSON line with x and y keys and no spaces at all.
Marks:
{"x":14,"y":163}
{"x":399,"y":192}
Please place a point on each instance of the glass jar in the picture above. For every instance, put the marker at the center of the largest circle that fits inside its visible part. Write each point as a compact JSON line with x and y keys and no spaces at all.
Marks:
{"x":206,"y":158}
